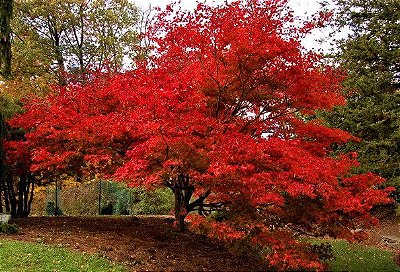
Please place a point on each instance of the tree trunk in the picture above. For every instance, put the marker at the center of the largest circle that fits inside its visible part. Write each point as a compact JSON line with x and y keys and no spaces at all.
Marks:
{"x":100,"y":191}
{"x":6,"y":9}
{"x":55,"y":38}
{"x":56,"y":209}
{"x":60,"y":60}
{"x":20,"y":206}
{"x":180,"y":211}
{"x":2,"y":162}
{"x":26,"y":196}
{"x":183,"y":191}
{"x":21,"y":188}
{"x":6,"y":197}
{"x":11,"y":195}
{"x":32,"y":181}
{"x":1,"y":191}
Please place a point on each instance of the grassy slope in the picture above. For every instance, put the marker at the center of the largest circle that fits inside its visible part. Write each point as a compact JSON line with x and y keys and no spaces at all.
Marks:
{"x":355,"y":257}
{"x":17,"y":256}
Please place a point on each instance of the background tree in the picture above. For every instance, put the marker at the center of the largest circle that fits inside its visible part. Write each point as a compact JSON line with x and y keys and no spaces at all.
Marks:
{"x":77,"y":35}
{"x":6,"y":7}
{"x":371,"y":54}
{"x":16,"y":187}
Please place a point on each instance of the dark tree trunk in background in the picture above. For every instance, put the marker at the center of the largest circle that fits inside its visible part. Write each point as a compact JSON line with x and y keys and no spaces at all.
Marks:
{"x":6,"y":8}
{"x":1,"y":194}
{"x":20,"y":206}
{"x":16,"y":191}
{"x":3,"y":166}
{"x":6,"y":197}
{"x":18,"y":202}
{"x":11,"y":195}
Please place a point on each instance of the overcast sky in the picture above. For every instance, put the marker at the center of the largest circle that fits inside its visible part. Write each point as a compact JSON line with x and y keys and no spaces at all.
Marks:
{"x":301,"y":8}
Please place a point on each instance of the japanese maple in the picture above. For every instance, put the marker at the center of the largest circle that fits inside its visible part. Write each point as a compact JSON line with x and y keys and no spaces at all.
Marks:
{"x":222,"y":113}
{"x":75,"y":130}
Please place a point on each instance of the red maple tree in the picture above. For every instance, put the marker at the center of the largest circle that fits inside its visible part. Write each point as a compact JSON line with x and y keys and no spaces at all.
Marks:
{"x":223,"y":114}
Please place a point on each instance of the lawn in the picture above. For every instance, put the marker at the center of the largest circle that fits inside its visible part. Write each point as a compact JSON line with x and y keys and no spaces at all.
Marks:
{"x":356,"y":257}
{"x":22,"y":256}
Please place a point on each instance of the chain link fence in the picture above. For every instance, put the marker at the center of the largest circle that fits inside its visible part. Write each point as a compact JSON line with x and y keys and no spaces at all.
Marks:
{"x":100,"y":197}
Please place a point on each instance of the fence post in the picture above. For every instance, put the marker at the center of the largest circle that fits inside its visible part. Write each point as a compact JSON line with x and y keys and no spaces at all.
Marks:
{"x":56,"y":200}
{"x":100,"y":196}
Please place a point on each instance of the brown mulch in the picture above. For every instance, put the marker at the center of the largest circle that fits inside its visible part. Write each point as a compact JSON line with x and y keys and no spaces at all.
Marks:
{"x":140,"y":243}
{"x":387,"y":228}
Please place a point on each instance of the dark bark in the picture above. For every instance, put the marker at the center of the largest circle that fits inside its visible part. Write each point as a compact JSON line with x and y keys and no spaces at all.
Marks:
{"x":100,"y":191}
{"x":17,"y":202}
{"x":4,"y":171}
{"x":21,"y":187}
{"x":1,"y":193}
{"x":55,"y":36}
{"x":6,"y":197}
{"x":180,"y":212}
{"x":25,"y":196}
{"x":56,"y":209}
{"x":183,"y":191}
{"x":32,"y":182}
{"x":11,"y":195}
{"x":6,"y":9}
{"x":2,"y":161}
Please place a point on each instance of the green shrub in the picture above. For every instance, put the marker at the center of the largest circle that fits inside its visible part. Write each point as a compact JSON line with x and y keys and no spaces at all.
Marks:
{"x":108,"y":209}
{"x":51,"y":209}
{"x":124,"y":198}
{"x":8,"y":228}
{"x":152,"y":202}
{"x":218,"y":216}
{"x":324,"y":251}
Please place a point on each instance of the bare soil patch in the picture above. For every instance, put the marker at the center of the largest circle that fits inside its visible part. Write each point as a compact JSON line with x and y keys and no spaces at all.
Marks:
{"x":141,"y":243}
{"x":386,"y":235}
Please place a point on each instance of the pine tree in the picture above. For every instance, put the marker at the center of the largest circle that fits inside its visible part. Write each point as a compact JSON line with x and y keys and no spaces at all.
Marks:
{"x":371,"y":55}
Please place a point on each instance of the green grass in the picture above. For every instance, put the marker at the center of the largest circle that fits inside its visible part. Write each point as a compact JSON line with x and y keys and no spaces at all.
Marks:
{"x":18,"y":256}
{"x":355,"y":257}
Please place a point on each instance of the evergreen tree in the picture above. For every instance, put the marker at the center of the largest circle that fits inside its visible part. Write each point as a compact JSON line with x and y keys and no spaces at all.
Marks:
{"x":371,"y":55}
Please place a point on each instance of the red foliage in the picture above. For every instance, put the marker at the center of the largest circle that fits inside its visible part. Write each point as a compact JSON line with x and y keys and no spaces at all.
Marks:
{"x":220,"y":112}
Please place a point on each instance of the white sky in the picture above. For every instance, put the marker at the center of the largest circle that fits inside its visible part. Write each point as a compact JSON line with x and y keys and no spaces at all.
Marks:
{"x":301,"y":8}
